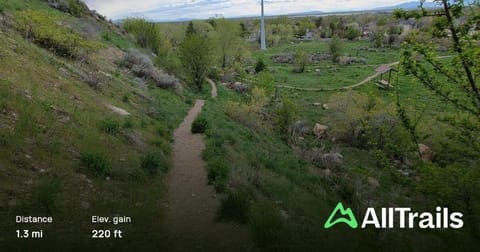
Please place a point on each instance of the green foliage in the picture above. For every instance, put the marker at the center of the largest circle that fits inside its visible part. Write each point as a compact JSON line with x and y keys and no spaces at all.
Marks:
{"x":199,"y":126}
{"x":153,"y":162}
{"x":47,"y":192}
{"x":110,"y":126}
{"x":95,"y":163}
{"x":146,"y":33}
{"x":76,"y":8}
{"x":128,"y":123}
{"x":228,"y":39}
{"x":235,"y":206}
{"x":285,"y":116}
{"x":260,"y":66}
{"x":195,"y":55}
{"x":266,"y":81}
{"x":301,"y":61}
{"x":266,"y":225}
{"x":352,"y":33}
{"x":42,"y":27}
{"x":218,"y":173}
{"x":335,"y":47}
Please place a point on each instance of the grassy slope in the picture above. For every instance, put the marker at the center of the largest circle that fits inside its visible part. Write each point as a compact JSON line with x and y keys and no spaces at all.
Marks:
{"x":49,"y":116}
{"x":291,"y":199}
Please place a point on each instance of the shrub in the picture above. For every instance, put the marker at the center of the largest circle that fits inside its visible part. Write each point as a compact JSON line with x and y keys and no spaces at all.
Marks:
{"x":147,"y":34}
{"x":153,"y":162}
{"x":266,"y":225}
{"x":95,"y":163}
{"x":47,"y":192}
{"x":128,"y":123}
{"x":260,"y":65}
{"x":42,"y":27}
{"x":235,"y":206}
{"x":110,"y":126}
{"x":285,"y":116}
{"x":142,"y":66}
{"x":336,"y":48}
{"x":266,"y":81}
{"x":199,"y":126}
{"x":218,"y":172}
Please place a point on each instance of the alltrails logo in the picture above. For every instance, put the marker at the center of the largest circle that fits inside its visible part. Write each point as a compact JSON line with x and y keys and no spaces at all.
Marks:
{"x":397,"y":217}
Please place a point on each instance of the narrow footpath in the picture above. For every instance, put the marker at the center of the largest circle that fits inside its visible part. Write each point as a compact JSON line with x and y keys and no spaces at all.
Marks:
{"x":192,"y":204}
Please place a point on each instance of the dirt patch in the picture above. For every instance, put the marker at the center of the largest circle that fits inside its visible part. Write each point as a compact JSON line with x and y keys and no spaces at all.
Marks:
{"x":192,"y":205}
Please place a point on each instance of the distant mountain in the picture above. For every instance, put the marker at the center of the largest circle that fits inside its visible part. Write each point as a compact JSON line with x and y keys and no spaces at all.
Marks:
{"x":415,"y":5}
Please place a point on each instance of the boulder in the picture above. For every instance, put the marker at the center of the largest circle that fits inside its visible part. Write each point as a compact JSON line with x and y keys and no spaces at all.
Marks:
{"x":426,"y":153}
{"x":373,"y":182}
{"x":320,"y":130}
{"x":325,"y":107}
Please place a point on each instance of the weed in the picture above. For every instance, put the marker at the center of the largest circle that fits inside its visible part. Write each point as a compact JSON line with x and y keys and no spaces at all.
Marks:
{"x":95,"y":163}
{"x":218,"y":172}
{"x":235,"y":206}
{"x":265,"y":224}
{"x":126,"y":98}
{"x":110,"y":126}
{"x":128,"y":123}
{"x":199,"y":126}
{"x":47,"y":192}
{"x":153,"y":162}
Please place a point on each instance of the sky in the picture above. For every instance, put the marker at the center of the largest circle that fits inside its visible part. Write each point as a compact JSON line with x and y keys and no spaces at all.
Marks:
{"x":170,"y":10}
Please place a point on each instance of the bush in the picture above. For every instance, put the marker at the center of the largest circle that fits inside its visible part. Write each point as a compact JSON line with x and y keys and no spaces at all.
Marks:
{"x":95,"y":163}
{"x":235,"y":206}
{"x":142,"y":66}
{"x":147,"y":34}
{"x":336,"y":48}
{"x":218,"y":172}
{"x":110,"y":126}
{"x":199,"y":126}
{"x":47,"y":193}
{"x":153,"y":162}
{"x":260,"y":65}
{"x":266,"y":225}
{"x":128,"y":123}
{"x":42,"y":27}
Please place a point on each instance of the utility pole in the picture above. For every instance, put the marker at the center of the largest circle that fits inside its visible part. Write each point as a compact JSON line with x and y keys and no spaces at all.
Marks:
{"x":262,"y":32}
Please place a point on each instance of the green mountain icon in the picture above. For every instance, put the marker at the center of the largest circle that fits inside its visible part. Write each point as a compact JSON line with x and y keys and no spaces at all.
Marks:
{"x":350,"y":221}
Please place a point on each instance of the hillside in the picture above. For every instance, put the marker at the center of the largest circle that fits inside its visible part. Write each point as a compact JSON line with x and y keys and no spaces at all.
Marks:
{"x":80,"y":134}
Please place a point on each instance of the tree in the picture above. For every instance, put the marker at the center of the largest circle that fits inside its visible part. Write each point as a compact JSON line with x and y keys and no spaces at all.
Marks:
{"x":454,"y":80}
{"x":301,"y":61}
{"x":190,"y":29}
{"x":228,"y":39}
{"x":195,"y":56}
{"x":260,"y":65}
{"x":146,"y":33}
{"x":352,"y":32}
{"x":336,"y":48}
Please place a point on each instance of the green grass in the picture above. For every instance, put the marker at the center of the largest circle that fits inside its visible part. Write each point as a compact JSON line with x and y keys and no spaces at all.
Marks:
{"x":65,"y":153}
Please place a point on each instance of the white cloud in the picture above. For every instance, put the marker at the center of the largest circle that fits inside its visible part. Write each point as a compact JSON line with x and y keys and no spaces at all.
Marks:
{"x":185,"y":9}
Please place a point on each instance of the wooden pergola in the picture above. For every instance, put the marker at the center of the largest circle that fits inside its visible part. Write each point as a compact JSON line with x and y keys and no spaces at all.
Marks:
{"x":382,"y":70}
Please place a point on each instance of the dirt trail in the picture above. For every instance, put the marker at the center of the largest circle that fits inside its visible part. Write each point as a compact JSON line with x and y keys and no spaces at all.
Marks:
{"x":214,"y":88}
{"x":192,"y":205}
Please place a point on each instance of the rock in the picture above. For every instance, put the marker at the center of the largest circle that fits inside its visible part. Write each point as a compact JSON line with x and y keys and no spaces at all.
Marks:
{"x":320,"y":130}
{"x":240,"y":87}
{"x":301,"y":139}
{"x":284,"y":59}
{"x":284,"y":214}
{"x":317,"y":104}
{"x":327,"y":172}
{"x":426,"y":152}
{"x":373,"y":182}
{"x":117,"y":110}
{"x":317,"y":70}
{"x":325,"y":107}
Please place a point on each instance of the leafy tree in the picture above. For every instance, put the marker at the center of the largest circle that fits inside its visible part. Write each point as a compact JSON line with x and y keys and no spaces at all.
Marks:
{"x":190,"y":29}
{"x":146,"y":33}
{"x":336,"y":48}
{"x":195,"y":56}
{"x":228,"y":39}
{"x":352,"y":32}
{"x":301,"y":61}
{"x":454,"y":80}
